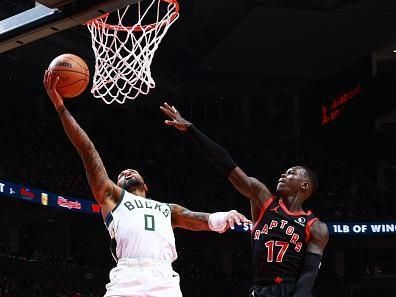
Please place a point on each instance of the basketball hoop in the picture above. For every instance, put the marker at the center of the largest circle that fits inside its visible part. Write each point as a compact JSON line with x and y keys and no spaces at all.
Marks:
{"x":123,"y":54}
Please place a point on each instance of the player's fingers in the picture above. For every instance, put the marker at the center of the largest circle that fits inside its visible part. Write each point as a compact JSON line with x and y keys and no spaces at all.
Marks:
{"x":167,"y":112}
{"x":243,"y":218}
{"x":237,"y":220}
{"x":45,"y":82}
{"x":168,"y":106}
{"x":174,"y":109}
{"x":246,"y":220}
{"x":49,"y":80}
{"x":170,"y":123}
{"x":56,"y":80}
{"x":163,"y":109}
{"x":231,"y":223}
{"x":45,"y":77}
{"x":46,"y":74}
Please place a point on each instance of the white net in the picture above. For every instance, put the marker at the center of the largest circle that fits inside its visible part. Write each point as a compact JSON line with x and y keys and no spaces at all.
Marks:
{"x":123,"y":54}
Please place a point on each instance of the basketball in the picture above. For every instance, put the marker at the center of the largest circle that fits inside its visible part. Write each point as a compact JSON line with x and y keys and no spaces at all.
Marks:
{"x":73,"y":75}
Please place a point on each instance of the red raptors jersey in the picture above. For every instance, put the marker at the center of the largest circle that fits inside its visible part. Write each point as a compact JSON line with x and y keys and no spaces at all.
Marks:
{"x":279,"y":240}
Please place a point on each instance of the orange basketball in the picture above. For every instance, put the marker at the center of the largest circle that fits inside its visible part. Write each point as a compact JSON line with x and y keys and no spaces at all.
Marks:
{"x":73,"y":75}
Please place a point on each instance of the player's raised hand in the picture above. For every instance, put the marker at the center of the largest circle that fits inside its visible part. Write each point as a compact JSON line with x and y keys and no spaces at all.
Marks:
{"x":233,"y":218}
{"x":177,"y":120}
{"x":50,"y":83}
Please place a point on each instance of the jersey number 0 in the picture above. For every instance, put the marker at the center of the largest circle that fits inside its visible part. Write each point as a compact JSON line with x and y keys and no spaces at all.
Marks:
{"x":149,"y":223}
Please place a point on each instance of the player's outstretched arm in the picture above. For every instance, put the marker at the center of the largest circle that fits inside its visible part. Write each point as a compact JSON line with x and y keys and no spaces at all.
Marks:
{"x":104,"y":190}
{"x":250,"y":187}
{"x":312,"y":260}
{"x":202,"y":221}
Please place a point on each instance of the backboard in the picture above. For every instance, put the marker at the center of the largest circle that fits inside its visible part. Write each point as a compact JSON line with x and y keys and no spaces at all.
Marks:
{"x":48,"y":17}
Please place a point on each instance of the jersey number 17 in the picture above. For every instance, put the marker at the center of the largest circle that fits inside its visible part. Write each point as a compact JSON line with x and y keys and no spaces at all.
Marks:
{"x":270,"y":245}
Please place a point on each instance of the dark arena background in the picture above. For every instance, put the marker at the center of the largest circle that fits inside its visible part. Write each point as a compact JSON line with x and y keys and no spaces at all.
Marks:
{"x":277,"y":83}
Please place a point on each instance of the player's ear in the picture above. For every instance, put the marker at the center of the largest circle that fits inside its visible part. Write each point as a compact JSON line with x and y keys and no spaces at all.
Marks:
{"x":305,"y":186}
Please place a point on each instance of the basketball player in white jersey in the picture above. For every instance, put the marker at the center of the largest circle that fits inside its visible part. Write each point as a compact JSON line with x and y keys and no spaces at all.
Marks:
{"x":141,"y":229}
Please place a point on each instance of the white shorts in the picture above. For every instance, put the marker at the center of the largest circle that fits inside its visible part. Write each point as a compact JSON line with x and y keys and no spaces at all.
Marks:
{"x":143,"y":278}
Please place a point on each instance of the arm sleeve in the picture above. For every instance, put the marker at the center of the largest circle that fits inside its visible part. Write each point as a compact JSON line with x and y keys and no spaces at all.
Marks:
{"x":215,"y":153}
{"x":307,"y":278}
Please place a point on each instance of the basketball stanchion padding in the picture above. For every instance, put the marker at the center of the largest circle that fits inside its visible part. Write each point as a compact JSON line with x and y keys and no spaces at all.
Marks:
{"x":123,"y":54}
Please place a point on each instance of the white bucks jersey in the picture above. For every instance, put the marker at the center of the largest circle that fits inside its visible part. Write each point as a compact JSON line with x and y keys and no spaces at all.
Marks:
{"x":141,"y":228}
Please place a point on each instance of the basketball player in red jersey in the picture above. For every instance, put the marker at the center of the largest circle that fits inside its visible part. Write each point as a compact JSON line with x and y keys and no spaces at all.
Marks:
{"x":141,"y":229}
{"x":287,"y":242}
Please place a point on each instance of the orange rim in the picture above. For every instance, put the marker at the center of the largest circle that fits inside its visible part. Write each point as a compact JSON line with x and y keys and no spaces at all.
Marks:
{"x":133,"y":28}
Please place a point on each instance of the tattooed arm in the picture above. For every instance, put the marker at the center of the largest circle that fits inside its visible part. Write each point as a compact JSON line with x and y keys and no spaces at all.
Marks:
{"x":202,"y":221}
{"x":104,"y":190}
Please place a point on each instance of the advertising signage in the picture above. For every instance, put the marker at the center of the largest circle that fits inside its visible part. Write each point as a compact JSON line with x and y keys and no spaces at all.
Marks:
{"x":45,"y":198}
{"x":348,"y":228}
{"x":361,"y":228}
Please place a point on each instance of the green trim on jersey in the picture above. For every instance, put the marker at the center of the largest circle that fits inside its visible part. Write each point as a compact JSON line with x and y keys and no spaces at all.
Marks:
{"x":119,"y":202}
